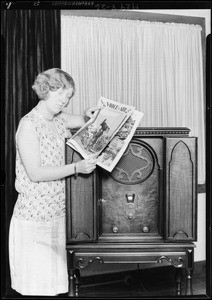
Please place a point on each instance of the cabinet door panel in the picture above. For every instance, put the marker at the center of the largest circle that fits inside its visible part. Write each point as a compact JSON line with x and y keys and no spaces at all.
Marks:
{"x":80,"y":204}
{"x":181,"y":178}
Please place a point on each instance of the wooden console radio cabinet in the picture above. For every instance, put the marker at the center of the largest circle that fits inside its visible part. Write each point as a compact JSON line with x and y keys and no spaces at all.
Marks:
{"x":144,"y":211}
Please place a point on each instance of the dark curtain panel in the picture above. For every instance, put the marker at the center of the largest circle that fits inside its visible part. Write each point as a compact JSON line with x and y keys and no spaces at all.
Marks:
{"x":30,"y":44}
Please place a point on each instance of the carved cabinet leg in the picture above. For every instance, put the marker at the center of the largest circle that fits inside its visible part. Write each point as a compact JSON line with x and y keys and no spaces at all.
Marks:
{"x":189,"y":290}
{"x":189,"y":269}
{"x":77,"y":282}
{"x":71,"y":278}
{"x":178,"y":278}
{"x":72,"y":290}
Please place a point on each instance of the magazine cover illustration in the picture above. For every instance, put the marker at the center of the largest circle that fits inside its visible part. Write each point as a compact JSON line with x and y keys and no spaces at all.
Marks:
{"x":115,"y":149}
{"x":94,"y":137}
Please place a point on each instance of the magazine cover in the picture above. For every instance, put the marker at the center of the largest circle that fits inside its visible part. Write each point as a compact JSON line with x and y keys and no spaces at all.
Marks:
{"x":115,"y":149}
{"x":94,"y":136}
{"x":127,"y":109}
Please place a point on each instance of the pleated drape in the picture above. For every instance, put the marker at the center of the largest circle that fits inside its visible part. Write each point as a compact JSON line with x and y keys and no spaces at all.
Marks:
{"x":30,"y":44}
{"x":157,"y":67}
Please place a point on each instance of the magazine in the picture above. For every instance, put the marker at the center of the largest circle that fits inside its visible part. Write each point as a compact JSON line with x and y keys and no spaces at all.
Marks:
{"x":108,"y":134}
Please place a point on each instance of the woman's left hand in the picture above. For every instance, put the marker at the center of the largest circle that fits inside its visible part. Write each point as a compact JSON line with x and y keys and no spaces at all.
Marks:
{"x":92,"y":111}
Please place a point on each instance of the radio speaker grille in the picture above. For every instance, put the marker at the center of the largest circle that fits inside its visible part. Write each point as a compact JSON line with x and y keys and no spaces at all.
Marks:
{"x":135,"y":166}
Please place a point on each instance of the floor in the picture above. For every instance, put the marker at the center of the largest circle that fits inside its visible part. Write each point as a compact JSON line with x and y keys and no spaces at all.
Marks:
{"x":139,"y":289}
{"x":137,"y":286}
{"x":141,"y":283}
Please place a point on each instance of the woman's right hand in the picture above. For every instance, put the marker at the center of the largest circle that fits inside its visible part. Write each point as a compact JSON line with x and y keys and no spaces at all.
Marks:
{"x":87,"y":165}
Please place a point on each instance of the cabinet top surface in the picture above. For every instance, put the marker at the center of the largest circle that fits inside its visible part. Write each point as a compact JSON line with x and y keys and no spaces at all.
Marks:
{"x":160,"y":131}
{"x":179,"y":131}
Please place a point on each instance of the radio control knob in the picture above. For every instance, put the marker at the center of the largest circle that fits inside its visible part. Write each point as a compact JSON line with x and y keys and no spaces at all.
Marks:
{"x":145,"y":229}
{"x":115,"y":229}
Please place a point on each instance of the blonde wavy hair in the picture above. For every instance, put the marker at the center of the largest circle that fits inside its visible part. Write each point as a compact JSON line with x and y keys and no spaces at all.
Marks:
{"x":52,"y":80}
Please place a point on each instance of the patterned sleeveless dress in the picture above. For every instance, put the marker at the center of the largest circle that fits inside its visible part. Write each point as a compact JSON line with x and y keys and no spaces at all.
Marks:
{"x":37,"y":251}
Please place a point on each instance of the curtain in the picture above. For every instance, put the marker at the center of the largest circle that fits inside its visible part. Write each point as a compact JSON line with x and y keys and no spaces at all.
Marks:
{"x":157,"y":67}
{"x":30,"y":44}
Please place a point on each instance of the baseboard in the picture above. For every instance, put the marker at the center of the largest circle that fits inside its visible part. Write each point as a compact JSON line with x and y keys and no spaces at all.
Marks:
{"x":159,"y":274}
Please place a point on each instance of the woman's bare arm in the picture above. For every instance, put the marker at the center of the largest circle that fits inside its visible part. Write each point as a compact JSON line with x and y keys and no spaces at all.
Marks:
{"x":29,"y":148}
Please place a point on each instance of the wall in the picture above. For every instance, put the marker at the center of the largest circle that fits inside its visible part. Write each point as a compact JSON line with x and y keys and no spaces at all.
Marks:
{"x":202,"y":13}
{"x":200,"y":250}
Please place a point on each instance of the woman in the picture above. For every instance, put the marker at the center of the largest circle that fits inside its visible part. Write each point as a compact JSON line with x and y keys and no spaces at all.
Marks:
{"x":37,"y":230}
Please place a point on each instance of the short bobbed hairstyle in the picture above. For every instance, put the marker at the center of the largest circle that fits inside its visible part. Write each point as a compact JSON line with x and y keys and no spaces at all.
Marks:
{"x":52,"y":80}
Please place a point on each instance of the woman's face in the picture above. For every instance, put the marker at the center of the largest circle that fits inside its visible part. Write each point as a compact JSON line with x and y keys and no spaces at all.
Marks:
{"x":58,"y":99}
